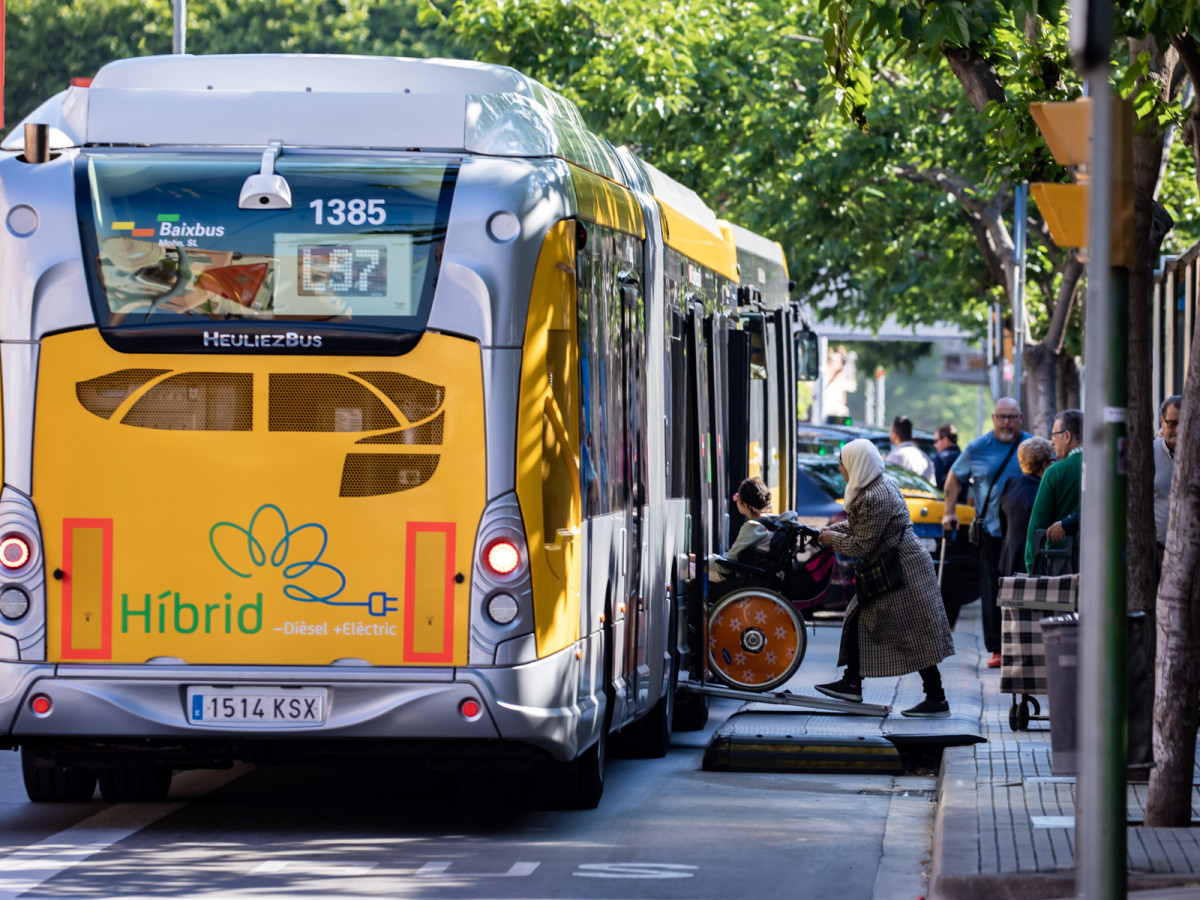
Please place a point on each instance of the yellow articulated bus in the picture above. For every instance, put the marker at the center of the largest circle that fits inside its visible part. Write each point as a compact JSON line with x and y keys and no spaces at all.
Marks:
{"x":357,"y":406}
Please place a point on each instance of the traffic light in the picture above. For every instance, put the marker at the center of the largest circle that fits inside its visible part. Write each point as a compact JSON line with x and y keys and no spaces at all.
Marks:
{"x":1067,"y":129}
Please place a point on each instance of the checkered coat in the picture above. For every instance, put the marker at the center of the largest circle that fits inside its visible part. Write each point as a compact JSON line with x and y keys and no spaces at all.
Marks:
{"x":906,"y":629}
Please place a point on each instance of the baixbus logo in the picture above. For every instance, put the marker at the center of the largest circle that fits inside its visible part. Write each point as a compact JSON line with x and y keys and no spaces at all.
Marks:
{"x":169,"y":225}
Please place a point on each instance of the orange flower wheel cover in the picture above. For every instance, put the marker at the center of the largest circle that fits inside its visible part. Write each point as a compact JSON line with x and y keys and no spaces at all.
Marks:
{"x":755,"y":640}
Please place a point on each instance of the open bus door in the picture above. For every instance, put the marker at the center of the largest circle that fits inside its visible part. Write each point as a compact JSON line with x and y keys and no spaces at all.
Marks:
{"x":691,"y":708}
{"x":741,"y":412}
{"x":785,"y":375}
{"x":631,"y":604}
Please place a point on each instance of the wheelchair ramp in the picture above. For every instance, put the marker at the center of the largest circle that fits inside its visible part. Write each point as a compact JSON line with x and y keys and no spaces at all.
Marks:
{"x":770,"y":737}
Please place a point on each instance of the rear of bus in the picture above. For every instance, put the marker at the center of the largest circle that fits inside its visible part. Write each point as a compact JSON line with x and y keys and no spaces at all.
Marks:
{"x":263,"y":443}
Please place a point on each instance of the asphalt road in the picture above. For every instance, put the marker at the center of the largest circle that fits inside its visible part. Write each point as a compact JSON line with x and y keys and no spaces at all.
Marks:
{"x":665,"y":829}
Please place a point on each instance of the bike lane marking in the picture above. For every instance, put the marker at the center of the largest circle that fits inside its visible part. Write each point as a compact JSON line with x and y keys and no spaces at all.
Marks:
{"x":27,"y":868}
{"x":31,"y":866}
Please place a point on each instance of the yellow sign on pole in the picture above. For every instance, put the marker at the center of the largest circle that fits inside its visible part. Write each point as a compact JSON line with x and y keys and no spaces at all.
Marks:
{"x":1067,"y":128}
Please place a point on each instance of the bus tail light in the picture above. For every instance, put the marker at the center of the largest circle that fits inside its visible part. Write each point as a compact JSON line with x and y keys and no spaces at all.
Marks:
{"x":40,"y":704}
{"x":502,"y":557}
{"x":14,"y":552}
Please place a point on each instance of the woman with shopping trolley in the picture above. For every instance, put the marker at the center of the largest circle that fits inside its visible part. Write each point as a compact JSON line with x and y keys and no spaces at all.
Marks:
{"x":896,"y":623}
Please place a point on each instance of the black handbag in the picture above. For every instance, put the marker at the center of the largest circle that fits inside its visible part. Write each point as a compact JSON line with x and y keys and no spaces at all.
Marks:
{"x":975,"y":529}
{"x":879,"y":577}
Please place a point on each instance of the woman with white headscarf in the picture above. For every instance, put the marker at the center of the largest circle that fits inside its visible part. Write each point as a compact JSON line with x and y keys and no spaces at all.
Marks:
{"x":905,"y":629}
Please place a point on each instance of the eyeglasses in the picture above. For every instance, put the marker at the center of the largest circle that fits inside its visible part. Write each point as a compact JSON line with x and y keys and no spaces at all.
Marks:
{"x":1057,"y":433}
{"x":1170,"y":423}
{"x":1007,"y":416}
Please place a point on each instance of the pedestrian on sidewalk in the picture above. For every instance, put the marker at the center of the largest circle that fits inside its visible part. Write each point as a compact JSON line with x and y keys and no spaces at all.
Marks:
{"x":990,"y":461}
{"x":902,"y":629}
{"x":1061,"y":488}
{"x":945,"y":441}
{"x":1164,"y":468}
{"x":1016,"y":503}
{"x":905,"y":453}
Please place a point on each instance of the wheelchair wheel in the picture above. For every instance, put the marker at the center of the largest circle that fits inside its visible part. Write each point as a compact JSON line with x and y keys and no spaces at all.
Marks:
{"x":756,"y":641}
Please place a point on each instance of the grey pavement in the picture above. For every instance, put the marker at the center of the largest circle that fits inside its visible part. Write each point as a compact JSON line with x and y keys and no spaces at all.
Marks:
{"x":1005,"y":824}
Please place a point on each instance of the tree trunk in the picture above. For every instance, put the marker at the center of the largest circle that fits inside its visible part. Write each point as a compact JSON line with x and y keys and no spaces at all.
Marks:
{"x":1041,"y":387}
{"x":1152,"y":222}
{"x":1150,"y":226}
{"x":1169,"y":803}
{"x":1178,"y":620}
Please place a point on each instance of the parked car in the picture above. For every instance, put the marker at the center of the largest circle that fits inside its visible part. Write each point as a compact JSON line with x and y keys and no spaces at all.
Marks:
{"x":820,"y":488}
{"x":825,"y":439}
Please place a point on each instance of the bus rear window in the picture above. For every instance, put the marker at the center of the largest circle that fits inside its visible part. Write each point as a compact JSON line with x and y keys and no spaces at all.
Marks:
{"x":168,"y":245}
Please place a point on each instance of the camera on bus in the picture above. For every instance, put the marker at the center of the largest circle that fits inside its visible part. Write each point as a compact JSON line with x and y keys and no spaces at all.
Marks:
{"x":263,"y":191}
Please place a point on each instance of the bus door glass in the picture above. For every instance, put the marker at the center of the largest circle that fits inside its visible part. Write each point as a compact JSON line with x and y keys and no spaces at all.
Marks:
{"x":716,"y":340}
{"x":633,"y":348}
{"x":785,"y":402}
{"x":742,"y":405}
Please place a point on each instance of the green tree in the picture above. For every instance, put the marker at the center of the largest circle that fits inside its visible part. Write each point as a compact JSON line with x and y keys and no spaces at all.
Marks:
{"x":50,"y":42}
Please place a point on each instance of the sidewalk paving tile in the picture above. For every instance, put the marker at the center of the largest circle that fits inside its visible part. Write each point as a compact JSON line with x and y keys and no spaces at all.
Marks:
{"x":1005,"y":822}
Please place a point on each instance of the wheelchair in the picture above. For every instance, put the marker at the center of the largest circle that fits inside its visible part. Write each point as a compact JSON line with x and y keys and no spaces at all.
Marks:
{"x":756,"y":636}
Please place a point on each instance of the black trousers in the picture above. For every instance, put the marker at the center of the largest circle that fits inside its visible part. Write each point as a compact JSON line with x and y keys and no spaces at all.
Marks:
{"x":931,"y":677}
{"x":989,"y":589}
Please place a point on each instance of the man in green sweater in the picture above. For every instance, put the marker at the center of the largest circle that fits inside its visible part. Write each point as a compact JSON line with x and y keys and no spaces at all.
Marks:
{"x":1058,"y":494}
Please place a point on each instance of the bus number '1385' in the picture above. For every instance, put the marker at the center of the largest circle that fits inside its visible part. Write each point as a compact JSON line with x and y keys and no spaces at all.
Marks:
{"x":350,"y":212}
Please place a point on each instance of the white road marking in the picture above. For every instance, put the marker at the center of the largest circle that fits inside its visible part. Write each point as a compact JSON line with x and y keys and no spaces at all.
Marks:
{"x":299,"y":867}
{"x":26,"y":869}
{"x":31,"y":866}
{"x":635,"y":870}
{"x":441,"y":867}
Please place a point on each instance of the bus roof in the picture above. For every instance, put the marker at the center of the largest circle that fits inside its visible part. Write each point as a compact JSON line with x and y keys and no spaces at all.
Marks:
{"x":761,"y":262}
{"x":327,"y":101}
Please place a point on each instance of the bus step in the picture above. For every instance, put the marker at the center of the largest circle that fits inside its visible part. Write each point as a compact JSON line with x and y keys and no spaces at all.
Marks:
{"x":786,"y":698}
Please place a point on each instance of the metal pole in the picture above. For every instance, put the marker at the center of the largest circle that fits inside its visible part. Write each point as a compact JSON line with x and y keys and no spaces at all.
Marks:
{"x":1100,"y":814}
{"x":179,"y":35}
{"x":1018,"y":299}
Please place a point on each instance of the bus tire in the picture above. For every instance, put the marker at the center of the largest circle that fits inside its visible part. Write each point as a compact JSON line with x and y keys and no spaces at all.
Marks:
{"x":146,"y":785}
{"x":47,"y":782}
{"x":579,"y":784}
{"x":651,"y":737}
{"x":691,"y":711}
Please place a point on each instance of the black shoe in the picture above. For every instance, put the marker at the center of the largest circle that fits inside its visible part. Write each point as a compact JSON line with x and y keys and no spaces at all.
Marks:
{"x":842,"y":690}
{"x":928,"y":709}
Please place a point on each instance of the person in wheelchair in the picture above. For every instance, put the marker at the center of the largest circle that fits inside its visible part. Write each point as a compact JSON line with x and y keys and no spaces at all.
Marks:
{"x":752,"y":543}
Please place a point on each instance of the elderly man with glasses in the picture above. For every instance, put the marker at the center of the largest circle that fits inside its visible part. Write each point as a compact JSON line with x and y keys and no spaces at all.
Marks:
{"x":1058,"y":495}
{"x":988,"y":462}
{"x":1164,"y":466}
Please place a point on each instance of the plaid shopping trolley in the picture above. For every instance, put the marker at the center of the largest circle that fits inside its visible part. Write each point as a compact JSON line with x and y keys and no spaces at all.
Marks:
{"x":1024,"y":601}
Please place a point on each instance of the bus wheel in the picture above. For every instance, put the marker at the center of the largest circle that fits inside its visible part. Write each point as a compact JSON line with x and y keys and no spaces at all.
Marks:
{"x":691,"y":711}
{"x":134,"y":785}
{"x":651,"y":735}
{"x":47,"y":782}
{"x":580,"y":782}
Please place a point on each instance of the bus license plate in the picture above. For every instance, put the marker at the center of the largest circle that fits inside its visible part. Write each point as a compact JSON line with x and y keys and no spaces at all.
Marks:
{"x":256,"y":706}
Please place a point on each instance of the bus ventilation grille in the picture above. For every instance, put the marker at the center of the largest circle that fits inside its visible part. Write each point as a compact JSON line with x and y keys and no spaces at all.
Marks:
{"x":196,"y":401}
{"x":372,"y":474}
{"x":407,"y":409}
{"x":101,"y":396}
